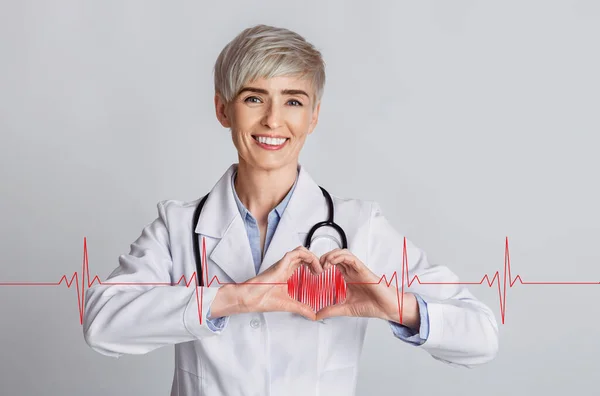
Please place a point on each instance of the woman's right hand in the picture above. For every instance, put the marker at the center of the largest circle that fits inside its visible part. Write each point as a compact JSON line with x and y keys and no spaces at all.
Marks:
{"x":268,"y":291}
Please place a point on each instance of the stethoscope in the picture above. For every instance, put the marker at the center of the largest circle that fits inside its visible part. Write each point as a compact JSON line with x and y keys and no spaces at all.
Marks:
{"x":329,"y":222}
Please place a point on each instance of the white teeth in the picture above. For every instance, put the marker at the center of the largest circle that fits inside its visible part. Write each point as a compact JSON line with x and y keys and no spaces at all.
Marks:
{"x":271,"y":141}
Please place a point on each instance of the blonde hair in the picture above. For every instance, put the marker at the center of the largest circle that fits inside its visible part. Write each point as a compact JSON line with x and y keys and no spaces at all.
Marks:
{"x":264,"y":51}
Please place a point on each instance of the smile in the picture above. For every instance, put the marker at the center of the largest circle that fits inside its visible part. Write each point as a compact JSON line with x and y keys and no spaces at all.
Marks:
{"x":270,"y":143}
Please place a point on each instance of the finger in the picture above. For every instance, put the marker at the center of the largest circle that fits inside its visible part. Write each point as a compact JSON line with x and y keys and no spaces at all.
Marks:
{"x":314,"y":264}
{"x":337,"y":253}
{"x":304,"y":249}
{"x":331,"y":311}
{"x":326,"y":256}
{"x":343,"y":270}
{"x":300,"y":309}
{"x":297,"y":257}
{"x":349,"y":262}
{"x":327,"y":266}
{"x":330,"y":267}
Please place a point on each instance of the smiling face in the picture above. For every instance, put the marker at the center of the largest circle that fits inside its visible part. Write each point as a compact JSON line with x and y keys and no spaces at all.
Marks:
{"x":270,"y":120}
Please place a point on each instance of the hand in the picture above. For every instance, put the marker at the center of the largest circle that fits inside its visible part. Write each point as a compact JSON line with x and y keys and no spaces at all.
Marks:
{"x":365,"y":295}
{"x":268,"y":291}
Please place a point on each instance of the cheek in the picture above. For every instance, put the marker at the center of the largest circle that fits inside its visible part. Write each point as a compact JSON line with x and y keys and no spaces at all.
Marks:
{"x":300,"y":121}
{"x":241,"y":115}
{"x":249,"y":120}
{"x":241,"y":125}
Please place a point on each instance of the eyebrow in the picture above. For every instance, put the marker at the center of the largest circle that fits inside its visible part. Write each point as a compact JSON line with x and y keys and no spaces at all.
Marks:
{"x":283,"y":91}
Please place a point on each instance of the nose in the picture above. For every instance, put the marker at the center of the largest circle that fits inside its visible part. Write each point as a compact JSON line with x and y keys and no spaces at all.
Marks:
{"x":272,"y":117}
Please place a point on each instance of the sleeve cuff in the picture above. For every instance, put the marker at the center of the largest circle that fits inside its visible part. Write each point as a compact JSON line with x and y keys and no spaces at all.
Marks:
{"x":407,"y":334}
{"x":201,"y":326}
{"x":216,"y":324}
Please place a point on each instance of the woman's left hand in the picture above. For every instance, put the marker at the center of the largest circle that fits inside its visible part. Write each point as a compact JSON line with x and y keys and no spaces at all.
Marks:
{"x":366,"y":296}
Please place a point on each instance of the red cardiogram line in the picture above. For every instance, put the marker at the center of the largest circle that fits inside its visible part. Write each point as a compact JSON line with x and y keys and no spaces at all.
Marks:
{"x":316,"y":291}
{"x":510,"y":282}
{"x":85,"y":281}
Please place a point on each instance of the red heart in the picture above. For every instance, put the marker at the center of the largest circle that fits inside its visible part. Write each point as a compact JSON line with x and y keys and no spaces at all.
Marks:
{"x":317,"y":291}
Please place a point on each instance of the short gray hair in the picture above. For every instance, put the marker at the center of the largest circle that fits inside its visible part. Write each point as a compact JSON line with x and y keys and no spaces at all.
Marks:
{"x":264,"y":51}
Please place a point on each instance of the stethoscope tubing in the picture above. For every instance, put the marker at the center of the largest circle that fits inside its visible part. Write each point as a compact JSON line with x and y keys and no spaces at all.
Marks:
{"x":327,"y":223}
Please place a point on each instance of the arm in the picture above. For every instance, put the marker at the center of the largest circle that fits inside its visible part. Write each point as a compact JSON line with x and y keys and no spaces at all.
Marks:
{"x":122,"y":316}
{"x":136,"y":319}
{"x":462,"y":330}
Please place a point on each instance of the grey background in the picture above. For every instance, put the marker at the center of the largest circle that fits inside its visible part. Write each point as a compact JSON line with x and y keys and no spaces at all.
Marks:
{"x":468,"y":121}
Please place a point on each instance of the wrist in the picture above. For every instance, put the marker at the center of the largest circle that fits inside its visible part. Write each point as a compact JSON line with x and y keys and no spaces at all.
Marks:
{"x":227,"y":302}
{"x":411,"y":316}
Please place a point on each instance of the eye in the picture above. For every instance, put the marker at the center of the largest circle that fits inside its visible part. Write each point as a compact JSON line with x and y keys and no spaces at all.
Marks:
{"x":249,"y":99}
{"x":295,"y":101}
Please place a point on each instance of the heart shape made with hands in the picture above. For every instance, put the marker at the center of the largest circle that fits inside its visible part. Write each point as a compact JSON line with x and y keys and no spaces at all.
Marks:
{"x":317,"y":291}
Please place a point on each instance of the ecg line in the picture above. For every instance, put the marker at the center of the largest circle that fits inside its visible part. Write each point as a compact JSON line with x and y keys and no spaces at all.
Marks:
{"x":312,"y":290}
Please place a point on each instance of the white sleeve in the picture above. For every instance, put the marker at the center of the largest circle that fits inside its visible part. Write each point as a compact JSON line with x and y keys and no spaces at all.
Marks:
{"x":121,"y":317}
{"x":462,"y":330}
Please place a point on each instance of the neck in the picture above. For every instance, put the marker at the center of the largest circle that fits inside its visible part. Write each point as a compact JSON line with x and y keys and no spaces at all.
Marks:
{"x":261,"y":190}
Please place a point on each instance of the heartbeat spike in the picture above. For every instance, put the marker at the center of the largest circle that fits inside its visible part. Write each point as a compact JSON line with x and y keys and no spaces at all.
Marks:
{"x":317,"y":292}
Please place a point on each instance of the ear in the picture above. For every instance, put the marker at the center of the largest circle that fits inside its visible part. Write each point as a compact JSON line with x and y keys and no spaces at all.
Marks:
{"x":221,"y":111}
{"x":315,"y":118}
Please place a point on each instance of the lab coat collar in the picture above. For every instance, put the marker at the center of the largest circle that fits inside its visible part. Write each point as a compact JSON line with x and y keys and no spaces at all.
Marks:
{"x":220,"y":218}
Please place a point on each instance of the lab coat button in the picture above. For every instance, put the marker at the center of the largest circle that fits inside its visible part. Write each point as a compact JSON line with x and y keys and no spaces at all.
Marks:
{"x":254,"y":323}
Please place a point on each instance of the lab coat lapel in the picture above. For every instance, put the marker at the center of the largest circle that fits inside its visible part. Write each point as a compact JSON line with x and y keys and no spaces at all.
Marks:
{"x":220,"y":218}
{"x":306,"y":207}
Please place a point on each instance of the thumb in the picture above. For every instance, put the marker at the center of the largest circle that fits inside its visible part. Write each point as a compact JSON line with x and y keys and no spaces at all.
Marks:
{"x":332,"y":310}
{"x":300,"y":309}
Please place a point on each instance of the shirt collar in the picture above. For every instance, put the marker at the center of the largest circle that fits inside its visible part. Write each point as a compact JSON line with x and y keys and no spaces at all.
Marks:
{"x":279,"y":209}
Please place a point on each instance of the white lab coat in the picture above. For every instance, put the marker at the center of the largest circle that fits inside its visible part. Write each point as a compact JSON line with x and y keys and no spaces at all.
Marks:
{"x":274,"y":353}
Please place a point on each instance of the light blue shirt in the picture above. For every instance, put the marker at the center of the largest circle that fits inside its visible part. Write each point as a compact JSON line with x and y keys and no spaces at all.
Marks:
{"x":252,"y":225}
{"x":400,"y":331}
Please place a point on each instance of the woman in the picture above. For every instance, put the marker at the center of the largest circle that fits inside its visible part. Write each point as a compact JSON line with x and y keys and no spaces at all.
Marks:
{"x":246,"y":335}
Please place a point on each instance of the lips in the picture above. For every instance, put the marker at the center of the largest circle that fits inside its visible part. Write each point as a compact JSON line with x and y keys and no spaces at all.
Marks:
{"x":268,"y":146}
{"x":255,"y":137}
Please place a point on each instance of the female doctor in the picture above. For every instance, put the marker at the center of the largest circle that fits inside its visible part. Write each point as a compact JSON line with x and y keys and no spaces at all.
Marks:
{"x":245,"y":335}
